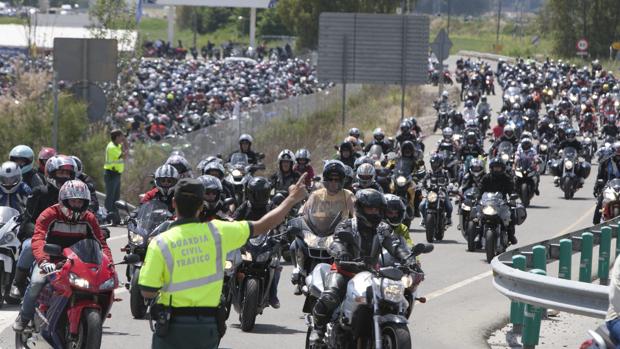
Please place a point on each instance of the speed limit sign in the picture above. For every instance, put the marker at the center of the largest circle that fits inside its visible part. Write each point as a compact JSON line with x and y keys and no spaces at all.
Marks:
{"x":582,"y":44}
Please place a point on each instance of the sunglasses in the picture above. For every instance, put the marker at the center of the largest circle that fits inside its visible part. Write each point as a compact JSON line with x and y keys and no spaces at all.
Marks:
{"x":332,"y":179}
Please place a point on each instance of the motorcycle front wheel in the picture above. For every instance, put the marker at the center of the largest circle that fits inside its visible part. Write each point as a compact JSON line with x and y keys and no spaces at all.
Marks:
{"x":470,"y":233}
{"x":89,"y":332}
{"x":430,"y":227}
{"x":490,"y":242}
{"x":249,"y":307}
{"x":525,"y":194}
{"x":395,"y":336}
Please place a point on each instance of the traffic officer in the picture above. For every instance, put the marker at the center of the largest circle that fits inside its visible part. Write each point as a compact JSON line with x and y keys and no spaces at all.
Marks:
{"x":115,"y":153}
{"x":184,"y":267}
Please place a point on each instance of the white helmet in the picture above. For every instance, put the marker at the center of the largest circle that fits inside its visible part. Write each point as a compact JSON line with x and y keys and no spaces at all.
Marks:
{"x":166,"y":177}
{"x":365,"y":174}
{"x":10,"y":177}
{"x":74,"y":189}
{"x":286,"y":155}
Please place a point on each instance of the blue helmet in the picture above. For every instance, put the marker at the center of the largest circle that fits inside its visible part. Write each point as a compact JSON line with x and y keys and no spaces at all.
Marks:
{"x":22,"y":152}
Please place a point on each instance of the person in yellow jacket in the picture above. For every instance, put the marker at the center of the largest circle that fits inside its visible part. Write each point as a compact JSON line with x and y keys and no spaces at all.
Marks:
{"x":115,"y":153}
{"x":184,"y":267}
{"x":395,"y":215}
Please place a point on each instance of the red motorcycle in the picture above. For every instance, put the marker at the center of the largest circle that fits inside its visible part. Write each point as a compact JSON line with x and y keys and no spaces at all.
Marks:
{"x":74,"y":304}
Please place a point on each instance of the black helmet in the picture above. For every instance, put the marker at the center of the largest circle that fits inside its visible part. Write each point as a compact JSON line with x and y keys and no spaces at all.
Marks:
{"x":497,"y":162}
{"x":369,"y":198}
{"x":259,"y":189}
{"x":407,"y":145}
{"x":526,"y":144}
{"x":334,"y":168}
{"x":378,"y":134}
{"x":212,"y":185}
{"x":180,"y":164}
{"x":405,"y":127}
{"x":571,"y":134}
{"x":471,"y":136}
{"x":346,"y":146}
{"x":395,"y":204}
{"x":436,"y":161}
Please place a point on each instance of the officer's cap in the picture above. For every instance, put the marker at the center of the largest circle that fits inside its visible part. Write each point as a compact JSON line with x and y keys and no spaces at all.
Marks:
{"x":189,"y":188}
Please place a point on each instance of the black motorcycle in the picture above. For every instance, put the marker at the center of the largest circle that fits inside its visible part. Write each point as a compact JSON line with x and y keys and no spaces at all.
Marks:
{"x":435,"y":220}
{"x":141,"y":229}
{"x":570,"y":181}
{"x":525,"y":178}
{"x":260,"y":258}
{"x":467,"y":223}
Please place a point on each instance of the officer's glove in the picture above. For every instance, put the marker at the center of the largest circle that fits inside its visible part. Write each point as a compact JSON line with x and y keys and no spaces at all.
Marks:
{"x":47,"y":267}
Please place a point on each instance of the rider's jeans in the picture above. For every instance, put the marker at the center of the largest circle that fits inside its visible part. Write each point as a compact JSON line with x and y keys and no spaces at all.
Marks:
{"x":26,"y":258}
{"x":37,"y":281}
{"x":614,"y":331}
{"x":424,"y":205}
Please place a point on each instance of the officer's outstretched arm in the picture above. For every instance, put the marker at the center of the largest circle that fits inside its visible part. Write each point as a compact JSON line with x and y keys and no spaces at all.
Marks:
{"x":297,"y":192}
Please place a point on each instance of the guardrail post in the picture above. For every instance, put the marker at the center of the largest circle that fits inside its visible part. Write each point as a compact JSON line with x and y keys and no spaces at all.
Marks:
{"x":603,"y":255}
{"x":585,"y":267}
{"x":517,"y":308}
{"x":566,"y":253}
{"x":531,"y":321}
{"x":539,"y":257}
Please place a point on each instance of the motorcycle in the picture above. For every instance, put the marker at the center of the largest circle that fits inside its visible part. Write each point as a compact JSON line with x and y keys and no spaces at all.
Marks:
{"x":374,"y":311}
{"x":543,"y":152}
{"x":526,"y":177}
{"x":254,"y":276}
{"x":10,"y":221}
{"x":239,"y":175}
{"x":76,"y":301}
{"x":141,"y":229}
{"x":467,"y":225}
{"x":435,"y":220}
{"x":611,"y":200}
{"x":570,"y":180}
{"x":589,"y":147}
{"x":505,"y":151}
{"x":601,"y":339}
{"x":493,"y":216}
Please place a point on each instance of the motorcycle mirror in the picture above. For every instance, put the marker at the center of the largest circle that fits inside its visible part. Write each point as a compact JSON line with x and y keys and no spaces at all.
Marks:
{"x":278,"y":199}
{"x":130,"y":259}
{"x":219,"y":156}
{"x":122,"y":205}
{"x":52,"y":249}
{"x":514,"y":196}
{"x":261,"y":156}
{"x":317,"y":179}
{"x":418,"y":249}
{"x":106,"y":232}
{"x":229,"y":201}
{"x":295,"y":232}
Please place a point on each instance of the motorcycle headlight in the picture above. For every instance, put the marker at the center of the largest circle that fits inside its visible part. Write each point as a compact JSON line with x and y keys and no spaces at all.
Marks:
{"x":505,"y":157}
{"x":7,"y":238}
{"x":609,"y":195}
{"x":228,"y":266}
{"x":407,"y":281}
{"x":588,"y":140}
{"x":237,"y":173}
{"x":392,"y":291}
{"x":107,"y":285}
{"x":512,"y":99}
{"x":466,"y":207}
{"x":135,"y":238}
{"x":568,"y":165}
{"x":489,"y":211}
{"x":617,"y":104}
{"x":543,"y":147}
{"x":519,"y":174}
{"x":247,"y":256}
{"x":314,"y":241}
{"x":550,"y":92}
{"x":78,"y":281}
{"x":263,"y":256}
{"x":401,"y":181}
{"x":432,"y":196}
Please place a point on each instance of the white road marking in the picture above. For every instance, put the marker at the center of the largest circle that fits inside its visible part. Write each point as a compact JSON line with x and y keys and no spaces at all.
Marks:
{"x":117,"y":237}
{"x":481,"y":276}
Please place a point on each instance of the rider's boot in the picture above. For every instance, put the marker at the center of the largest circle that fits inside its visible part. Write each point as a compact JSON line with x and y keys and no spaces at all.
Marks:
{"x":19,"y":325}
{"x":19,"y":283}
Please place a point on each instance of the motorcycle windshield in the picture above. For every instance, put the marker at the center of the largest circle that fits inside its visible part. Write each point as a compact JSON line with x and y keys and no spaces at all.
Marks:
{"x":404,"y":167}
{"x":150,"y":215}
{"x":239,"y":159}
{"x":570,"y":153}
{"x":491,"y":199}
{"x":376,"y":152}
{"x":322,"y":214}
{"x":472,"y":193}
{"x":525,"y":162}
{"x":6,"y":213}
{"x":505,"y":148}
{"x":88,"y":250}
{"x":614,"y":184}
{"x":513,"y":91}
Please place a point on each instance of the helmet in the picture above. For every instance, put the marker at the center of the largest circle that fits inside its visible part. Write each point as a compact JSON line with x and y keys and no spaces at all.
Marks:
{"x":44,"y":155}
{"x":405,"y":127}
{"x":526,"y":144}
{"x":57,"y":163}
{"x":501,"y":120}
{"x":166,"y":177}
{"x":355,"y":132}
{"x":364,"y":159}
{"x":181,"y":164}
{"x":369,"y":198}
{"x":526,"y":134}
{"x":259,"y":189}
{"x":616,"y":148}
{"x":214,"y":166}
{"x":407,"y":145}
{"x":201,"y":165}
{"x":346,"y":146}
{"x":436,"y":161}
{"x":10,"y":177}
{"x":471,"y":137}
{"x":212,"y":185}
{"x":22,"y":154}
{"x":333,"y":168}
{"x":483,"y":98}
{"x":571,"y":134}
{"x":447,"y":133}
{"x":303,"y":154}
{"x":444,"y":94}
{"x":516,"y":106}
{"x":177,"y":152}
{"x":378,"y":134}
{"x":365,"y":174}
{"x":469,"y":104}
{"x":246,"y":138}
{"x":497,"y":163}
{"x":394,"y":204}
{"x":79,"y":168}
{"x":74,"y":190}
{"x":413,"y":122}
{"x":509,"y":131}
{"x":476,"y":168}
{"x":286,"y":155}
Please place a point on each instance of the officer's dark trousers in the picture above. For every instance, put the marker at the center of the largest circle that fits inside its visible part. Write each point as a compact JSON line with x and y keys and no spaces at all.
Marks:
{"x":189,"y":332}
{"x":112,"y":182}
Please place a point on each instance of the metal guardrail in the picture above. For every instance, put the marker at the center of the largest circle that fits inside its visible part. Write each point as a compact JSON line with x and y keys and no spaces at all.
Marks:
{"x":550,"y":292}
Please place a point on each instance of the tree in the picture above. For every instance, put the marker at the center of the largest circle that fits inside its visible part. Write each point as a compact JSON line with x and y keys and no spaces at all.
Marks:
{"x":301,"y":17}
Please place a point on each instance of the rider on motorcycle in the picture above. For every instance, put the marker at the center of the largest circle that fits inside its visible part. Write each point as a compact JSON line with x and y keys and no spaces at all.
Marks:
{"x":355,"y":132}
{"x":379,"y":138}
{"x":245,"y":147}
{"x":442,"y":102}
{"x":64,"y":224}
{"x":180,"y":163}
{"x":608,"y":170}
{"x":302,"y":165}
{"x":405,"y":133}
{"x":216,"y":169}
{"x":483,"y":108}
{"x":544,"y":130}
{"x":89,"y":181}
{"x":609,"y":128}
{"x":588,"y":123}
{"x":13,"y":191}
{"x":370,"y":206}
{"x":24,"y":157}
{"x":44,"y":154}
{"x":498,"y":130}
{"x":285,"y":176}
{"x":346,"y":154}
{"x":395,"y":211}
{"x":499,"y":181}
{"x":469,"y":112}
{"x":214,"y":206}
{"x":166,"y":177}
{"x":471,"y":147}
{"x":437,"y":176}
{"x":508,"y":136}
{"x":365,"y":178}
{"x":473,"y":178}
{"x":526,"y":151}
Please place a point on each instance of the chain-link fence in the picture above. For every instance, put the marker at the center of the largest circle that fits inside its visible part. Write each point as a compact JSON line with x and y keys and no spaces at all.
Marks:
{"x":222,"y":138}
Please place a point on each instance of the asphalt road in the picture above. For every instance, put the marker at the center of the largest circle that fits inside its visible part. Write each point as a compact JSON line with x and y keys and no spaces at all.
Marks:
{"x":462,"y":308}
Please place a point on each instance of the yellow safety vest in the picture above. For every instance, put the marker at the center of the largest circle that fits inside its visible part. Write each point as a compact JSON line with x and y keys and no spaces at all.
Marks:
{"x":186,"y":263}
{"x":113,"y":160}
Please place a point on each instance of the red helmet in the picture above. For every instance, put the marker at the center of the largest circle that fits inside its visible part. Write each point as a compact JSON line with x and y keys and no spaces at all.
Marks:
{"x":72,"y":190}
{"x":56,"y":163}
{"x":44,"y":155}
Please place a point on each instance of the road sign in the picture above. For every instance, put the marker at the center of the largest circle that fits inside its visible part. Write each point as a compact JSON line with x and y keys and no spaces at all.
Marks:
{"x":441,"y":46}
{"x":85,"y":59}
{"x":616,"y":45}
{"x":94,"y":96}
{"x":582,"y":44}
